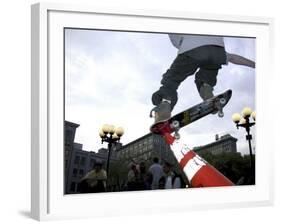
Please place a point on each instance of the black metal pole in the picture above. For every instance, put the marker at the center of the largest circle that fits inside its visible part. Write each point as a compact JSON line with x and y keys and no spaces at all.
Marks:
{"x":110,"y":140}
{"x":247,"y":125}
{"x":249,"y":138}
{"x":108,"y":158}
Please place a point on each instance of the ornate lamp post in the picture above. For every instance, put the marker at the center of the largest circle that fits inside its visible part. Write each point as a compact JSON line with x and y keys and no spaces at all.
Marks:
{"x":244,"y":121}
{"x":111,"y":135}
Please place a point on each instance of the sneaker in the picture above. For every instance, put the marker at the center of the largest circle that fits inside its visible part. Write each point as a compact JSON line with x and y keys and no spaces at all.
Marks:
{"x":162,"y":112}
{"x":206,"y":91}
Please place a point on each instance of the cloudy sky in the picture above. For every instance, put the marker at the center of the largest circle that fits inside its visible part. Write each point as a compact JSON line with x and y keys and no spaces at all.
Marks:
{"x":110,"y":77}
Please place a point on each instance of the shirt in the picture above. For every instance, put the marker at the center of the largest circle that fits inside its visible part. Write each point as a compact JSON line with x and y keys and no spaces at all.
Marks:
{"x":94,"y":176}
{"x":157,"y":172}
{"x":169,"y":182}
{"x":188,"y":42}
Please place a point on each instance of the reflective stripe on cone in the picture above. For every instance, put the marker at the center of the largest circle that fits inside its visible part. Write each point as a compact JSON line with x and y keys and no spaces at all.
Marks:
{"x":200,"y":173}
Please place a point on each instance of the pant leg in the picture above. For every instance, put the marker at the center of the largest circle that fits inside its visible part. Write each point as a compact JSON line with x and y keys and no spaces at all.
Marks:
{"x":205,"y":75}
{"x":182,"y":67}
{"x":210,"y":58}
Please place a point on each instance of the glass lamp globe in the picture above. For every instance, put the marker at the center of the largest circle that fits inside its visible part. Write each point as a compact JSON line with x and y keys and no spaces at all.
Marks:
{"x":246,"y":112}
{"x":119,"y":131}
{"x":236,"y":118}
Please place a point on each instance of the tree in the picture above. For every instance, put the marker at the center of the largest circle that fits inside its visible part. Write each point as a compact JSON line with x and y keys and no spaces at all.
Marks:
{"x":233,"y":165}
{"x":118,"y":173}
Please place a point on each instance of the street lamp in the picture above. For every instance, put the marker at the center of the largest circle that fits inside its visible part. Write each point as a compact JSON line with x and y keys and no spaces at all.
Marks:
{"x":244,"y":121}
{"x":111,"y":135}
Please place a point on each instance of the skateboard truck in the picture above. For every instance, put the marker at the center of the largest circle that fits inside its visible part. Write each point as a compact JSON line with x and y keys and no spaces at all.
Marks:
{"x":176,"y":126}
{"x":169,"y":138}
{"x":222,"y":102}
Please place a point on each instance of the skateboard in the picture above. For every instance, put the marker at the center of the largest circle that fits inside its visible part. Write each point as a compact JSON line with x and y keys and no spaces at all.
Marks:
{"x":176,"y":122}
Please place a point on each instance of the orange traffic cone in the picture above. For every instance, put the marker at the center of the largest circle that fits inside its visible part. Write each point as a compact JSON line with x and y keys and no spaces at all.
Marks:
{"x":199,"y":172}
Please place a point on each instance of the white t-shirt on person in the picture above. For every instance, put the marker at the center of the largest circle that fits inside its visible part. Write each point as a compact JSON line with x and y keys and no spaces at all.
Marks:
{"x":188,"y":42}
{"x":169,"y":182}
{"x":157,"y":172}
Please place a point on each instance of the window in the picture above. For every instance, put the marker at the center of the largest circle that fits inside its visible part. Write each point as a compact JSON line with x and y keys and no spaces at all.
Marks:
{"x":66,"y":163}
{"x":145,"y":157}
{"x":72,"y":186}
{"x":81,"y":173}
{"x":92,"y":163}
{"x":74,"y":173}
{"x":68,"y":137}
{"x":83,"y":160}
{"x":77,"y":159}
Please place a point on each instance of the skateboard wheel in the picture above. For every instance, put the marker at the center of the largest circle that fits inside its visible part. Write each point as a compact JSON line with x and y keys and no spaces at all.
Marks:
{"x":177,"y":136}
{"x":220,"y":114}
{"x":175,"y":124}
{"x":222,"y":101}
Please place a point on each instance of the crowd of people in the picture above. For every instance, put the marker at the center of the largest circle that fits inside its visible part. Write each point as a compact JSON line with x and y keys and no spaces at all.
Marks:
{"x":139,"y":177}
{"x":157,"y":176}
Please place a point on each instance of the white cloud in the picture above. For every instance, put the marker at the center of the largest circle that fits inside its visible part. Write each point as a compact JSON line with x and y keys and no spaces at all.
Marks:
{"x":109,"y":89}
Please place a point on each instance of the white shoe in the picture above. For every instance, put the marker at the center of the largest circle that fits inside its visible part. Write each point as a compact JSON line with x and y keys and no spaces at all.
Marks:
{"x":162,"y":112}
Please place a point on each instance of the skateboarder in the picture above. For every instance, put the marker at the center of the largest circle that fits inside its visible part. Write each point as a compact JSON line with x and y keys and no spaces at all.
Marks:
{"x":199,"y":55}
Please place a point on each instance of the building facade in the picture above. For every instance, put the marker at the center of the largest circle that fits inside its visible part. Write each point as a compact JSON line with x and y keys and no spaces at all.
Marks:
{"x":222,"y":144}
{"x":79,"y":162}
{"x":69,"y":136}
{"x":145,"y":148}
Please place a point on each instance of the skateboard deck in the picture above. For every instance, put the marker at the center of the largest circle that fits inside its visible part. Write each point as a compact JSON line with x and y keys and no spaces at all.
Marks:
{"x":176,"y":122}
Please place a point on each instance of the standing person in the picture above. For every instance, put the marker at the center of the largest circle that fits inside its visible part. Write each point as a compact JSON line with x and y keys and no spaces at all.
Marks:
{"x":133,"y":176}
{"x":96,"y":179}
{"x":143,"y":177}
{"x":199,"y":55}
{"x":170,"y":180}
{"x":156,"y":172}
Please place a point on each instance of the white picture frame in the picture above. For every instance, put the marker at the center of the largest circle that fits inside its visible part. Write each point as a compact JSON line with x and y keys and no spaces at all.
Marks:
{"x":48,"y":200}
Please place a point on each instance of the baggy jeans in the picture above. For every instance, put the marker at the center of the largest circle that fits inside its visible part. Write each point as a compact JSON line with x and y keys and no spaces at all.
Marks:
{"x":204,"y":62}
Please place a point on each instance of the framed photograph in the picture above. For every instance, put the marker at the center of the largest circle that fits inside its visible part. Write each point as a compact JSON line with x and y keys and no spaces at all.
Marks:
{"x":151,"y":108}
